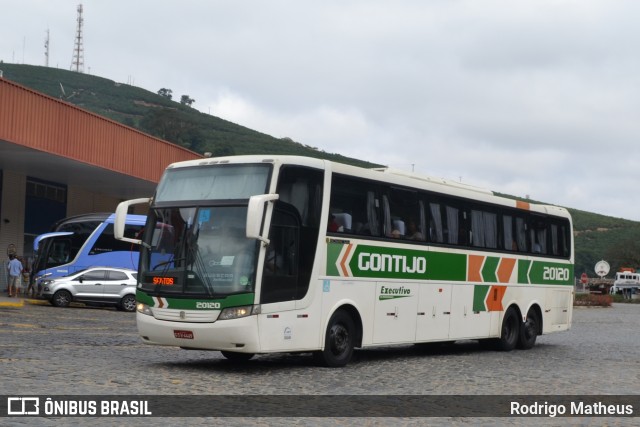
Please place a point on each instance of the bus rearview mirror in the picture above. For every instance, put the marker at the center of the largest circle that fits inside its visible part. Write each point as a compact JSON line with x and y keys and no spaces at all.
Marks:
{"x":255,"y":215}
{"x":121,"y":219}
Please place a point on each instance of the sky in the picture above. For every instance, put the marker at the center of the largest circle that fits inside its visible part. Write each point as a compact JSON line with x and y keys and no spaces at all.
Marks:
{"x":533,"y":98}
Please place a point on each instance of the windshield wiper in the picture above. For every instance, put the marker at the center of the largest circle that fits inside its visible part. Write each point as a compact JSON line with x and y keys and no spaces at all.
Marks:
{"x":167,"y":263}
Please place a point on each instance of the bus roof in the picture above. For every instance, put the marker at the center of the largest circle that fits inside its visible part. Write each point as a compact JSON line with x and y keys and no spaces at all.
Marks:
{"x":394,"y":176}
{"x":99,"y":217}
{"x":37,"y":240}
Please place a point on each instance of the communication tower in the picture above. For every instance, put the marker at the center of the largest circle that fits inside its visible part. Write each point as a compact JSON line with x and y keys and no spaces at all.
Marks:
{"x":46,"y":50}
{"x":78,"y":50}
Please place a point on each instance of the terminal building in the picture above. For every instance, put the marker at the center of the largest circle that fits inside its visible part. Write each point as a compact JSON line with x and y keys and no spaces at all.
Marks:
{"x":58,"y":160}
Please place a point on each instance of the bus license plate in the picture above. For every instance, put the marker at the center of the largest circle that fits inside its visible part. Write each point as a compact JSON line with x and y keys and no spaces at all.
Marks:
{"x":185,"y":335}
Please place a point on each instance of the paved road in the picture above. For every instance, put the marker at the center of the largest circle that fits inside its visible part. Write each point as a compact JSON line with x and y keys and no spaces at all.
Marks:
{"x":96,"y":351}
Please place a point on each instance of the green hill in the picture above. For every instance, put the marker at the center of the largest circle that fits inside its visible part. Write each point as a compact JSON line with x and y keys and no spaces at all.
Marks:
{"x":596,"y":236}
{"x":158,"y":115}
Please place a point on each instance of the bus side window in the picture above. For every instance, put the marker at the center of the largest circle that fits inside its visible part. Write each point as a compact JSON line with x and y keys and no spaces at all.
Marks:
{"x":436,"y":232}
{"x":521,"y":234}
{"x":538,"y":235}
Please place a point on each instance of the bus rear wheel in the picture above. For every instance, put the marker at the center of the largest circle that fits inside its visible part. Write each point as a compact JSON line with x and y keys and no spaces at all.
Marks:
{"x":338,"y":342}
{"x":510,"y":331}
{"x":237,"y":357}
{"x":529,"y":331}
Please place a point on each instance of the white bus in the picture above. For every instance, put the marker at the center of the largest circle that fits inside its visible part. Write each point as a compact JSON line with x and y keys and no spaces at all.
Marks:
{"x":265,"y":254}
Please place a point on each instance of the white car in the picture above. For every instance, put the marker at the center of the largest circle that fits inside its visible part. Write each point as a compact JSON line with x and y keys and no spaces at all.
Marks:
{"x":96,"y":285}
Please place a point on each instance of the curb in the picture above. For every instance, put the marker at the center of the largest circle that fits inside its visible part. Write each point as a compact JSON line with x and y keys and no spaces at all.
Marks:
{"x":19,"y":303}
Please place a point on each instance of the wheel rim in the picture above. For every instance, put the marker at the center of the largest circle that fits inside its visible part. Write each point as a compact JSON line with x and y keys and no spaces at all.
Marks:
{"x":338,"y":339}
{"x":62,"y":299}
{"x":129,"y":303}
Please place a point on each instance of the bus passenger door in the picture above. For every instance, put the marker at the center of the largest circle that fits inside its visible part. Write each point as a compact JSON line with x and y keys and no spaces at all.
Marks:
{"x":395,"y":313}
{"x":277,"y":321}
{"x":434,"y":312}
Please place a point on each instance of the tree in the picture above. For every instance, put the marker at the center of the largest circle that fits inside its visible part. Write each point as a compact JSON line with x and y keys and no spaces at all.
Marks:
{"x":185,"y":100}
{"x":623,"y":254}
{"x":167,"y":93}
{"x":172,"y":126}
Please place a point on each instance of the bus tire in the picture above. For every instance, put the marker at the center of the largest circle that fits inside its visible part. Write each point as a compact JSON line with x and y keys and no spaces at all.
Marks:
{"x":61,"y":299}
{"x":234,"y":356}
{"x":529,"y":330}
{"x":510,"y":330}
{"x":339,"y":341}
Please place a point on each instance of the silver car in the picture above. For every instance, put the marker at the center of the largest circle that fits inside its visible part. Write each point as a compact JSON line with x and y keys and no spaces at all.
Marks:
{"x":96,"y":285}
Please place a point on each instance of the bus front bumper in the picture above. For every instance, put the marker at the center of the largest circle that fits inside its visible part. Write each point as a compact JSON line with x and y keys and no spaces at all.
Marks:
{"x":237,"y":335}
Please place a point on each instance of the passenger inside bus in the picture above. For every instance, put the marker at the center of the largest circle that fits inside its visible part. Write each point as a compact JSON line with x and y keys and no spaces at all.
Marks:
{"x":333,"y":224}
{"x":412,"y":231}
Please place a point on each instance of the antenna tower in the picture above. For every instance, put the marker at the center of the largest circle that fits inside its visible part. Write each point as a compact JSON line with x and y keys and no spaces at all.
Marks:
{"x":78,"y":50}
{"x":46,"y":50}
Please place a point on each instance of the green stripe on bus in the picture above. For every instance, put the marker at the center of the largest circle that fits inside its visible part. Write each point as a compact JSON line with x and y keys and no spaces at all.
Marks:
{"x":333,"y":251}
{"x":489,"y":269}
{"x":381,"y":262}
{"x":480,"y":293}
{"x":523,"y":271}
{"x":190,"y":303}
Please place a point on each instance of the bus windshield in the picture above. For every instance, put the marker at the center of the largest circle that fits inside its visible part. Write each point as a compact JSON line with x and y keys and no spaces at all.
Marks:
{"x":61,"y":249}
{"x":198,"y":251}
{"x":223,"y":182}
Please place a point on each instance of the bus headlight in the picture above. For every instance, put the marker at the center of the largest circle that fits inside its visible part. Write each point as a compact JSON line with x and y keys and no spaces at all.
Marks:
{"x":238,"y":312}
{"x":144,"y":309}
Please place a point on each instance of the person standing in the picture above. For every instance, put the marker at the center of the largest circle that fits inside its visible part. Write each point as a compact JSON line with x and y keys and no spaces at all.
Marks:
{"x":15,"y":274}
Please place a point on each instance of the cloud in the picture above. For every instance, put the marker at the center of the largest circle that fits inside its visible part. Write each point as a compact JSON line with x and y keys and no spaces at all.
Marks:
{"x":534,"y":97}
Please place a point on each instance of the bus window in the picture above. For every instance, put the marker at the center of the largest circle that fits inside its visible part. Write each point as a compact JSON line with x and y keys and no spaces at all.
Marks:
{"x":404,"y":214}
{"x":521,"y":234}
{"x":484,"y":229}
{"x":60,"y":252}
{"x":357,"y":201}
{"x":106,"y":242}
{"x":452,"y":230}
{"x":538,"y":237}
{"x":508,"y":234}
{"x":280,"y":274}
{"x":436,"y":232}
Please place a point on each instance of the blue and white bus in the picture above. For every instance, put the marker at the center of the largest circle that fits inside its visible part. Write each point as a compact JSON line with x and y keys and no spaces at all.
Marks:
{"x":83,"y":241}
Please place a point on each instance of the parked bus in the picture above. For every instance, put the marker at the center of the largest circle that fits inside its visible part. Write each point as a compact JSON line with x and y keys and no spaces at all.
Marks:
{"x":265,"y":254}
{"x":83,"y":241}
{"x":627,"y":282}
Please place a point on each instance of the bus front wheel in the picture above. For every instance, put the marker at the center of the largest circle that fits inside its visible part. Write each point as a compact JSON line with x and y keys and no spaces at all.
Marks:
{"x":338,"y":342}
